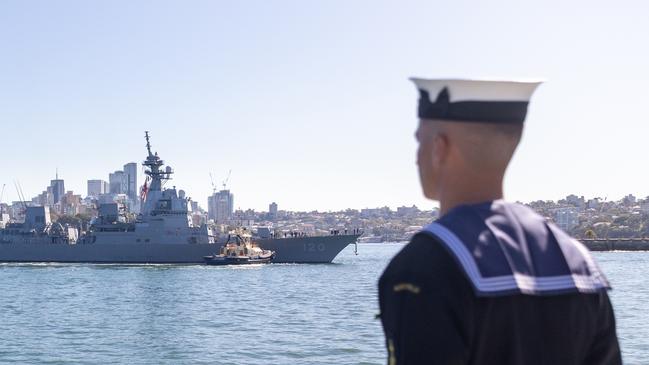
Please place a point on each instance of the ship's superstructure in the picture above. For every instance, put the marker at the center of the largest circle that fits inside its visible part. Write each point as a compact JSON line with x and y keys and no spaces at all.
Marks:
{"x":38,"y":228}
{"x":163,"y":219}
{"x":163,"y":232}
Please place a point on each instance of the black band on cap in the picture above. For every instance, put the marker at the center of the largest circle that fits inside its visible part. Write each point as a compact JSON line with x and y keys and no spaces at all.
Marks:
{"x":471,"y":111}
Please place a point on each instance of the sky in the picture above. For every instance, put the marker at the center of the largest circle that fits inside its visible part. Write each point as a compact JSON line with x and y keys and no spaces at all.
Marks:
{"x":308,"y":102}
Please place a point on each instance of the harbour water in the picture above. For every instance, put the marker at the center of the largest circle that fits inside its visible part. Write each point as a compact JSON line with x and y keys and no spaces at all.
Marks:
{"x":272,"y":314}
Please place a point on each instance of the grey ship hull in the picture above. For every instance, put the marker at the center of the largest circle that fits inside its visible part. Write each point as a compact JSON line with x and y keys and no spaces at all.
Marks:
{"x":289,"y":250}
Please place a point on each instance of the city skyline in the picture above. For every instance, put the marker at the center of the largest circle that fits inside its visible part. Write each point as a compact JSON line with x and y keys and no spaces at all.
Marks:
{"x":309,"y":104}
{"x":225,"y":196}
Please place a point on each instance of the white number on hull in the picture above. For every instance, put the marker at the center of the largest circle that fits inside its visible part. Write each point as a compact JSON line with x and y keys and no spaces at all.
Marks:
{"x":312,"y":247}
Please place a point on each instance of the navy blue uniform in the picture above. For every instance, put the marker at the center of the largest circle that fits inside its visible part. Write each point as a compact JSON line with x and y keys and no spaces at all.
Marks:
{"x":494,"y":283}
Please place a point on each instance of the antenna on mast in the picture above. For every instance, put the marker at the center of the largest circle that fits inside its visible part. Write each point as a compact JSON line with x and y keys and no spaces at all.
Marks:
{"x":148,"y":144}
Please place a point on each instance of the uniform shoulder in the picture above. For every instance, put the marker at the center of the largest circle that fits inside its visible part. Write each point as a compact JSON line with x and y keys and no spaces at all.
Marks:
{"x":424,"y":255}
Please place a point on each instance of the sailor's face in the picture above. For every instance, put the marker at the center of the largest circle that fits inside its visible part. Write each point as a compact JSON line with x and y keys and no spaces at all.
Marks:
{"x":427,"y":159}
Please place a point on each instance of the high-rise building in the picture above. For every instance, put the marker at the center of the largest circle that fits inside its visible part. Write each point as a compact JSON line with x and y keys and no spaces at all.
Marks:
{"x":58,"y":189}
{"x":130,"y":177}
{"x":4,"y":215}
{"x":97,"y":187}
{"x":195,"y":207}
{"x":566,"y":218}
{"x":117,"y":182}
{"x":211,"y":207}
{"x":220,"y":206}
{"x":70,"y":203}
{"x":272,"y":210}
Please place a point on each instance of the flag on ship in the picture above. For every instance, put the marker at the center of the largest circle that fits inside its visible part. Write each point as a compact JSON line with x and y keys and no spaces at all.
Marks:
{"x":145,"y":189}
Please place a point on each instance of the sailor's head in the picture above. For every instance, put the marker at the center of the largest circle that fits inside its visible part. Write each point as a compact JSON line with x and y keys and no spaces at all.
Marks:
{"x":468,"y":131}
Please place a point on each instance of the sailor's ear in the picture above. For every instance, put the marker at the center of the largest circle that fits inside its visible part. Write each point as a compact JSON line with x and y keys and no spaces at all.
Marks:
{"x":440,"y":149}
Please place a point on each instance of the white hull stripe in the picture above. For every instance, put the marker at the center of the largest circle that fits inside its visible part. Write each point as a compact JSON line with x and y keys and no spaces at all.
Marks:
{"x":517,"y":282}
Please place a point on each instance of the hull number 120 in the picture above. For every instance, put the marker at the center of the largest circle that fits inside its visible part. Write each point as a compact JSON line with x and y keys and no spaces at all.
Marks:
{"x":312,"y":247}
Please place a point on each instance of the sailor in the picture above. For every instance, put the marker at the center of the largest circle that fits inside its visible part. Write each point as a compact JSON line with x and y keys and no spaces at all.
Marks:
{"x":489,"y":282}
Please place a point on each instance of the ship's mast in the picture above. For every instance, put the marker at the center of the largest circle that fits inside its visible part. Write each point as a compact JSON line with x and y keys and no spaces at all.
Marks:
{"x":154,"y":163}
{"x":148,"y":143}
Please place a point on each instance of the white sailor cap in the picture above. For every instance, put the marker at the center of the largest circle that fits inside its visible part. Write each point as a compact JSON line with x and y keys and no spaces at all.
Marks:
{"x":489,"y":101}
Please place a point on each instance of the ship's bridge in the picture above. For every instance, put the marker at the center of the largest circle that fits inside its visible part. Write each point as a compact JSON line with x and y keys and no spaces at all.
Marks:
{"x":170,"y":202}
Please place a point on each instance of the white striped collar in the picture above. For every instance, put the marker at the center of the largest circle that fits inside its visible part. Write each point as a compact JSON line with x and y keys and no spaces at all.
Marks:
{"x":516,"y":282}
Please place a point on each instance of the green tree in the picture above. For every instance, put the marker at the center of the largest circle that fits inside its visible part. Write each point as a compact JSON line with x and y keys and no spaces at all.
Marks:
{"x":590,"y":234}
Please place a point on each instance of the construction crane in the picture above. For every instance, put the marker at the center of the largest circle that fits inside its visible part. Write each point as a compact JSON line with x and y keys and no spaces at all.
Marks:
{"x":225,"y":182}
{"x":212,"y":181}
{"x":21,"y":196}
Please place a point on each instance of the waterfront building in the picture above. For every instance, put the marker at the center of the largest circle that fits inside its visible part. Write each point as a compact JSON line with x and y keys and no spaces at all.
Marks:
{"x":220,"y":206}
{"x":97,"y":187}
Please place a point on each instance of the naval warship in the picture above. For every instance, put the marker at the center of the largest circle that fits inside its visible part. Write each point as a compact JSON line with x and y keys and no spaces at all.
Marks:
{"x":163,"y":233}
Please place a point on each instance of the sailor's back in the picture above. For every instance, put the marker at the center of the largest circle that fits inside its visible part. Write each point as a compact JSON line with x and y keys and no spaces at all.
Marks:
{"x":434,"y":310}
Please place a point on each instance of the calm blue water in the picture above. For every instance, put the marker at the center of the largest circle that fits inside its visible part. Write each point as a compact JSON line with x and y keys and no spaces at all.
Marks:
{"x":273,"y":314}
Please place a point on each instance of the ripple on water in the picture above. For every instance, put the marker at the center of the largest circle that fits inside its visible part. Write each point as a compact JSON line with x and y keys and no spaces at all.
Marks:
{"x":279,"y":314}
